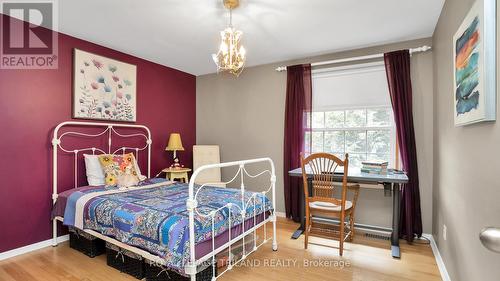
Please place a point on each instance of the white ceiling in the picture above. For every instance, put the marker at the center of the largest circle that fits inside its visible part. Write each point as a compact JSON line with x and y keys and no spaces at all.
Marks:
{"x":184,"y":34}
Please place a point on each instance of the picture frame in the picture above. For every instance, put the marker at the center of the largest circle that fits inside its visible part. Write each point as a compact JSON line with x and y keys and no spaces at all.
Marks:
{"x":474,"y":65}
{"x":103,"y":88}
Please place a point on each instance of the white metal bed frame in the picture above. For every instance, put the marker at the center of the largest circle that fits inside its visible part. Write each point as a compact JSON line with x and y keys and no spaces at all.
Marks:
{"x":191,"y":267}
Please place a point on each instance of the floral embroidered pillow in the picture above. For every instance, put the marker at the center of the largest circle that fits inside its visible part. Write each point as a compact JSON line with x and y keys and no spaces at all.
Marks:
{"x":119,"y":170}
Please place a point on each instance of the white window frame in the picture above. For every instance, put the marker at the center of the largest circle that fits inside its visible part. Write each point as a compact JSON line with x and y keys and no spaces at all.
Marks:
{"x":391,"y":127}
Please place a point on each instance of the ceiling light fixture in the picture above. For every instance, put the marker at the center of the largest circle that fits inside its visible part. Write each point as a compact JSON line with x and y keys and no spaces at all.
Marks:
{"x":231,"y":54}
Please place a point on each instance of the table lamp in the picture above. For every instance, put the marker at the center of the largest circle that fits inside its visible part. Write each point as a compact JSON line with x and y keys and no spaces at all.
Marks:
{"x":175,"y":144}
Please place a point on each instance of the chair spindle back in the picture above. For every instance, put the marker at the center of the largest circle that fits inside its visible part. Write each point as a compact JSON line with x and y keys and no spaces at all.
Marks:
{"x":322,"y":167}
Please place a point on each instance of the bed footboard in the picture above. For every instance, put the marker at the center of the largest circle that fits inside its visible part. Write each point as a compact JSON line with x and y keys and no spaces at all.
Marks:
{"x":192,"y":204}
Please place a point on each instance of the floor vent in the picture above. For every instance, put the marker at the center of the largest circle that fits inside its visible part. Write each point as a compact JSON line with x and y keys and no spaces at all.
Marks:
{"x":377,"y":236}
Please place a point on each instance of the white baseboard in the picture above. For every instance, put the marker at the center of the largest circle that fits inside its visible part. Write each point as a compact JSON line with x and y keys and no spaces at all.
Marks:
{"x":280,"y":214}
{"x":439,"y":260}
{"x":32,"y":247}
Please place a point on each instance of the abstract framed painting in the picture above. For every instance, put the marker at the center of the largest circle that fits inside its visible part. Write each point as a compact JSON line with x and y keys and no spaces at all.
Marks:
{"x":474,"y":65}
{"x":103,"y":88}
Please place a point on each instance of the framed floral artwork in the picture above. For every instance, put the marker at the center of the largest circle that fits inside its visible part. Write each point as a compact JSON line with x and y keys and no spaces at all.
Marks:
{"x":103,"y":88}
{"x":474,"y":65}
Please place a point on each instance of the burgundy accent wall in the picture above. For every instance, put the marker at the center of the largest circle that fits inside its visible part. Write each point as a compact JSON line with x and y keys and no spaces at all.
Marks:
{"x":33,"y":102}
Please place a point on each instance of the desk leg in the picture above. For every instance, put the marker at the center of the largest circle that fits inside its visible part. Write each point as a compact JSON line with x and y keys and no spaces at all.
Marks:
{"x":302,"y":214}
{"x":395,"y":221}
{"x":302,"y":210}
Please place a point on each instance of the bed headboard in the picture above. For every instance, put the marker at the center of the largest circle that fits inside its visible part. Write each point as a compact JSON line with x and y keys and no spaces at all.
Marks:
{"x":110,"y":130}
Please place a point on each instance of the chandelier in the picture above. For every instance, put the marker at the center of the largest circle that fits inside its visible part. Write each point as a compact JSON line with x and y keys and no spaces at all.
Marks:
{"x":231,"y":54}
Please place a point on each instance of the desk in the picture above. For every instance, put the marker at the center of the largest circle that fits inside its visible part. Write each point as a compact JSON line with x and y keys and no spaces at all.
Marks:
{"x":356,"y":176}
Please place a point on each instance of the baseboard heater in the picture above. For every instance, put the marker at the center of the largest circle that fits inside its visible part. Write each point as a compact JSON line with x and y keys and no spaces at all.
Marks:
{"x":372,"y":231}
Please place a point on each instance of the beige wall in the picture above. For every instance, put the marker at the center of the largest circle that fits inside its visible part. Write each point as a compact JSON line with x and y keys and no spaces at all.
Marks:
{"x":467,"y":160}
{"x":245,"y":117}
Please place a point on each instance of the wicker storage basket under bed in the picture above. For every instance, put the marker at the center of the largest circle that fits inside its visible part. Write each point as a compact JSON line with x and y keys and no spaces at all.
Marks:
{"x":86,"y":243}
{"x":125,"y":261}
{"x":160,"y":273}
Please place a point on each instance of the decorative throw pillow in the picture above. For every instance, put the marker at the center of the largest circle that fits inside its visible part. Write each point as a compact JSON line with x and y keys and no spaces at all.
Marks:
{"x":115,"y":167}
{"x":127,"y":180}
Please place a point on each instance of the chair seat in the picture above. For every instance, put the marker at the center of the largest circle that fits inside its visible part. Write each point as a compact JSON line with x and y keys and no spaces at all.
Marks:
{"x":328,"y":206}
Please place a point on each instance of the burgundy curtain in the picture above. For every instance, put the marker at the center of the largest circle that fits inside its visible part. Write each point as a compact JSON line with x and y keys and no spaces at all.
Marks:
{"x":298,"y":105}
{"x":397,"y":66}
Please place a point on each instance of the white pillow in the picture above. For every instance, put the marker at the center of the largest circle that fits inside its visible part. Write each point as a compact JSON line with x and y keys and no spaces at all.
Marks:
{"x":95,"y":174}
{"x":138,"y":171}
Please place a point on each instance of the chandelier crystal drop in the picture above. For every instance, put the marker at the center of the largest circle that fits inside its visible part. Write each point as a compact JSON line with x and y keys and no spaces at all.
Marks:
{"x":231,"y":54}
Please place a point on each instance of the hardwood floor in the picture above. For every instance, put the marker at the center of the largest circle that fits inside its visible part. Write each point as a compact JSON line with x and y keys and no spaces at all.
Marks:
{"x":365,"y":259}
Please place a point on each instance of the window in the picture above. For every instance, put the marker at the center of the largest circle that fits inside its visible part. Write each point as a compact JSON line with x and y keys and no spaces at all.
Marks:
{"x":352,"y":114}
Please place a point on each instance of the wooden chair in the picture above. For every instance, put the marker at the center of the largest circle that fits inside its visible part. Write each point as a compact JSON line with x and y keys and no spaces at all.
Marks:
{"x":328,"y":198}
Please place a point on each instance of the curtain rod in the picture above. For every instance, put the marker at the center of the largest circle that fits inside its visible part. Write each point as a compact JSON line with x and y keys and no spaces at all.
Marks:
{"x":424,"y":48}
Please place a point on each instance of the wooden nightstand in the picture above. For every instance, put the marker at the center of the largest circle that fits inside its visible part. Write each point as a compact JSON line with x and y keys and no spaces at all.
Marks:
{"x":177,"y":173}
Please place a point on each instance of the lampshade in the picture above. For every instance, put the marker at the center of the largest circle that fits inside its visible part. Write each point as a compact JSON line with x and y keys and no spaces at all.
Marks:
{"x":174,"y":142}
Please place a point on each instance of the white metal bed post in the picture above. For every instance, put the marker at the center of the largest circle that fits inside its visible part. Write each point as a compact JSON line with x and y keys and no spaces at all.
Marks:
{"x":243,"y":207}
{"x":191,"y":205}
{"x":149,"y":142}
{"x":273,"y":219}
{"x":55,"y":143}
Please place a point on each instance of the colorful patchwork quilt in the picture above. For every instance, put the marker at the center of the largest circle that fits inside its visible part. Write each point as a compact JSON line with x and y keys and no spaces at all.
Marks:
{"x":153,"y":216}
